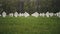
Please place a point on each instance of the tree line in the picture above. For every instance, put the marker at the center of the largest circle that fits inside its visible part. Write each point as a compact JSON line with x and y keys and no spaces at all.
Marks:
{"x":30,"y":6}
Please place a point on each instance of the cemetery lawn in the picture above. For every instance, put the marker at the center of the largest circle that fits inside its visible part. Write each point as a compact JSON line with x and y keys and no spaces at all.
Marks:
{"x":29,"y":25}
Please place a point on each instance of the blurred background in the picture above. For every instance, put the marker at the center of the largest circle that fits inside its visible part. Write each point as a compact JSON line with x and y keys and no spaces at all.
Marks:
{"x":30,"y":6}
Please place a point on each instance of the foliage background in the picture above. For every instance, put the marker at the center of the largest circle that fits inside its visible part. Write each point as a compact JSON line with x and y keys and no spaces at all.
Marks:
{"x":29,"y":6}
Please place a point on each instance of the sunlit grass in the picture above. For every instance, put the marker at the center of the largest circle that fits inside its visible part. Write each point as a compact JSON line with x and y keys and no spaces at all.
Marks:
{"x":29,"y":25}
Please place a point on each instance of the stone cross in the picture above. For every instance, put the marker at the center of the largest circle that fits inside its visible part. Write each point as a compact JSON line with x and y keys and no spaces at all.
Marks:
{"x":4,"y":14}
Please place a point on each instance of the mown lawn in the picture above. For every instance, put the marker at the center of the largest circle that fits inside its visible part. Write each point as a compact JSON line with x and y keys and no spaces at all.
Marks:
{"x":29,"y":25}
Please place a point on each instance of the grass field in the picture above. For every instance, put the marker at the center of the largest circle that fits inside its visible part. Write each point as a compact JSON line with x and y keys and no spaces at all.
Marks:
{"x":29,"y":25}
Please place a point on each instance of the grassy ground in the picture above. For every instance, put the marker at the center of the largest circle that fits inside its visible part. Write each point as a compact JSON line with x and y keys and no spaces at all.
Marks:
{"x":29,"y":25}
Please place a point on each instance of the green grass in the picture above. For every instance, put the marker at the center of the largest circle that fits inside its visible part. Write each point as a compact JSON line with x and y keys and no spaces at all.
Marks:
{"x":29,"y":25}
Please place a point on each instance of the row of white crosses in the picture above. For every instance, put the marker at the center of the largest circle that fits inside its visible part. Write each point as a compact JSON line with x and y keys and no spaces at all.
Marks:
{"x":49,"y":14}
{"x":43,"y":14}
{"x":16,"y":14}
{"x":36,"y":14}
{"x":20,"y":14}
{"x":58,"y":14}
